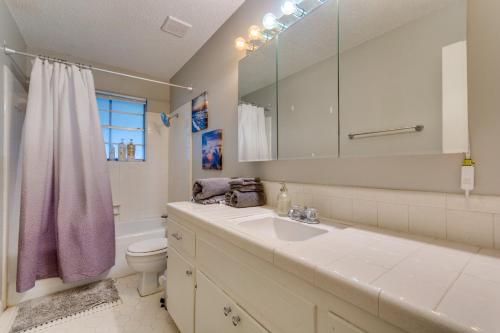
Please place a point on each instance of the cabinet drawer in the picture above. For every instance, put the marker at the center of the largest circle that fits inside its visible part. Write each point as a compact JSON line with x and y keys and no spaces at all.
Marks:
{"x":276,"y":307}
{"x":339,"y":325}
{"x":217,"y":312}
{"x":181,"y":238}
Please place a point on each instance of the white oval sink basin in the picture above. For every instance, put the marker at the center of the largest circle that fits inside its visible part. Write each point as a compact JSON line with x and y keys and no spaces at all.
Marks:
{"x":281,"y":229}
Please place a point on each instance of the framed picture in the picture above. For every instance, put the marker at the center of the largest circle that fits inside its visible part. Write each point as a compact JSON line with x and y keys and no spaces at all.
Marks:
{"x":199,"y":109}
{"x":211,"y":150}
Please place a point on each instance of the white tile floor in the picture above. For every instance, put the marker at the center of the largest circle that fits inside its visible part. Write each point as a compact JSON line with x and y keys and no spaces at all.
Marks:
{"x":135,"y":314}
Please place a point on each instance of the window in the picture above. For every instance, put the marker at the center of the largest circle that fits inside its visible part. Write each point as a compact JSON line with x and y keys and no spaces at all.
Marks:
{"x":123,"y":118}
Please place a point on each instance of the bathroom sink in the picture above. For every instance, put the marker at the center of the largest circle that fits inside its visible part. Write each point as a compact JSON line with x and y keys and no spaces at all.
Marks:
{"x":281,"y":229}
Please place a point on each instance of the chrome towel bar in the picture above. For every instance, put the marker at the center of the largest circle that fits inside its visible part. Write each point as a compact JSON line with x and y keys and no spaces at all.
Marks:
{"x":416,"y":128}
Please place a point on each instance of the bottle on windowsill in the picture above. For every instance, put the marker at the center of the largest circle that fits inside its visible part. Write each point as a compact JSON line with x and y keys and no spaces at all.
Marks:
{"x":131,"y":151}
{"x":122,"y":151}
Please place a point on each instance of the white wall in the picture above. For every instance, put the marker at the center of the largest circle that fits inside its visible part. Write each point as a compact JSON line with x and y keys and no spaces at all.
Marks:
{"x":9,"y":32}
{"x":140,"y":188}
{"x":214,"y":68}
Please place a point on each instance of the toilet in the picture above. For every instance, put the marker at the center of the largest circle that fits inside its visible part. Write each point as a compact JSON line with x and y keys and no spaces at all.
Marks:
{"x":149,"y":259}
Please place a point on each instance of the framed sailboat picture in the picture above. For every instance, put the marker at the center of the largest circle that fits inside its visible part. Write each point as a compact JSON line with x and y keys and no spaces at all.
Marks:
{"x":211,"y":146}
{"x":199,"y":109}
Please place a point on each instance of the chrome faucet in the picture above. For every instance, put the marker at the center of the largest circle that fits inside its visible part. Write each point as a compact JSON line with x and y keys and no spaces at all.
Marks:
{"x":303,"y":214}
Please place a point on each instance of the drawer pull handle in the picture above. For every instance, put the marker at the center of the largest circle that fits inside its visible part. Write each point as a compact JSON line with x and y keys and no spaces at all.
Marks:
{"x":227,"y":310}
{"x":189,"y":272}
{"x":236,"y":320}
{"x":177,"y":236}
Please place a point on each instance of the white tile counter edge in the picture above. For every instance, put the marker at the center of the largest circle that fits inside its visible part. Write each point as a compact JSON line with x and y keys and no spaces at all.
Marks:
{"x":393,"y":308}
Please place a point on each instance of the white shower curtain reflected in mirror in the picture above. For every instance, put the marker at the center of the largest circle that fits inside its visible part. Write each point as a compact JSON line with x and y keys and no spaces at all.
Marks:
{"x":253,"y":137}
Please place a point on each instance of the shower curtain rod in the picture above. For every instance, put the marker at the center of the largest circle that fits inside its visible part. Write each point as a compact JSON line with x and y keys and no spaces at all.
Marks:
{"x":9,"y":51}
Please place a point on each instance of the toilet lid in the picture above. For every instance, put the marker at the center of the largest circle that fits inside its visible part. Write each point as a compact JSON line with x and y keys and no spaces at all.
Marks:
{"x":148,"y":245}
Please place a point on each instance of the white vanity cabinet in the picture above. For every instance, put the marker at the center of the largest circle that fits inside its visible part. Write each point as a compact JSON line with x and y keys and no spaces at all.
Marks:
{"x":339,"y":325}
{"x":214,"y":286}
{"x":217,"y":312}
{"x":180,"y":291}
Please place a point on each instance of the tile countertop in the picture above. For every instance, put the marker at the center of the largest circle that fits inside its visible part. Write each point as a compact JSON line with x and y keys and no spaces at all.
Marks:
{"x":416,"y":283}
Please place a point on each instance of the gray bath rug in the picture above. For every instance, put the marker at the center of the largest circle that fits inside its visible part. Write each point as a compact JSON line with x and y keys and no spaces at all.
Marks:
{"x":49,"y":310}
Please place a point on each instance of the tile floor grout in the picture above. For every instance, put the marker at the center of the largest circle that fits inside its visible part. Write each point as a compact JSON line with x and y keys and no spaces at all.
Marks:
{"x":135,"y":314}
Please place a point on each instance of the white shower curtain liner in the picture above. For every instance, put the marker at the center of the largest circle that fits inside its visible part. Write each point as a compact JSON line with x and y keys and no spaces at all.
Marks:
{"x":67,"y":226}
{"x":253,"y":141}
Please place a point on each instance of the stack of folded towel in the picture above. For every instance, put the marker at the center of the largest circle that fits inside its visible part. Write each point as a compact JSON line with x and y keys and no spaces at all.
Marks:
{"x":245,"y":192}
{"x":211,"y":190}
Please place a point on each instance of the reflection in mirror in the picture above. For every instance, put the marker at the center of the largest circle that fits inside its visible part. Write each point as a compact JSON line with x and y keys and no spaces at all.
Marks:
{"x":403,"y":77}
{"x":307,"y":85}
{"x":257,"y":111}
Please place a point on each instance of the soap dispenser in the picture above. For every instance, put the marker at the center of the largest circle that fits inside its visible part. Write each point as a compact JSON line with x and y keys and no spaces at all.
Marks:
{"x":284,"y":201}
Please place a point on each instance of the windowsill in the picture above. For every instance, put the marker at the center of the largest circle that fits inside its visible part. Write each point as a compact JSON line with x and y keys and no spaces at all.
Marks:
{"x":136,"y":161}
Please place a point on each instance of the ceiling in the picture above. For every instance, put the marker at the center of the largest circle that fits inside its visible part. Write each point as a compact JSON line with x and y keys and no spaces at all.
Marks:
{"x":124,"y":34}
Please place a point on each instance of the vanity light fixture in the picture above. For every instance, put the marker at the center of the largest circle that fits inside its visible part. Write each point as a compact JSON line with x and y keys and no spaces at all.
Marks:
{"x":254,"y":33}
{"x":270,"y":22}
{"x":272,"y":26}
{"x":241,"y":44}
{"x":290,"y":7}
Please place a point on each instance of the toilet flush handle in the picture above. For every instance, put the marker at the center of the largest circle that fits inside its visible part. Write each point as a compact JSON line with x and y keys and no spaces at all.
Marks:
{"x":177,"y":236}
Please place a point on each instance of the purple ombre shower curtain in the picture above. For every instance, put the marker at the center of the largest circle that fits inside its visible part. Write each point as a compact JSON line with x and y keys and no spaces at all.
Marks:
{"x":66,"y":227}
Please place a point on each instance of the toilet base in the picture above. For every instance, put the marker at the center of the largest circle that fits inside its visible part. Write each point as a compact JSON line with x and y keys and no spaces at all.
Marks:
{"x":148,"y":283}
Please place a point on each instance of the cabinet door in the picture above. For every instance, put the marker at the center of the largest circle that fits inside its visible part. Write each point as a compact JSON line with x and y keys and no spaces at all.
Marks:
{"x":217,"y":312}
{"x":339,"y":325}
{"x":180,"y":291}
{"x":213,"y":309}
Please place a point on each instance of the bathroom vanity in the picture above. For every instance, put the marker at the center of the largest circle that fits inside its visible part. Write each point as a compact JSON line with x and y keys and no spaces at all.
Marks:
{"x":247,"y":270}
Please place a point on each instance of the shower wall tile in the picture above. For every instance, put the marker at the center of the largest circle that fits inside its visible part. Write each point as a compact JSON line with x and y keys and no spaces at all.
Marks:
{"x":474,"y":220}
{"x":140,"y":188}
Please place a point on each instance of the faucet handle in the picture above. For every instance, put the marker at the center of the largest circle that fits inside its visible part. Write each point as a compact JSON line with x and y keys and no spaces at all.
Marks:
{"x":311,"y":214}
{"x":295,"y":212}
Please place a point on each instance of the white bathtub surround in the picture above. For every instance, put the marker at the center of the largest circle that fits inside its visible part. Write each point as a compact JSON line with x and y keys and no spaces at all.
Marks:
{"x":474,"y":221}
{"x":140,"y":188}
{"x":415,"y":283}
{"x":126,"y":234}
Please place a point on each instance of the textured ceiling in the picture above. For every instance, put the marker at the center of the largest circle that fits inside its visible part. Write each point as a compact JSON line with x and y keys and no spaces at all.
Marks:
{"x":121,"y":33}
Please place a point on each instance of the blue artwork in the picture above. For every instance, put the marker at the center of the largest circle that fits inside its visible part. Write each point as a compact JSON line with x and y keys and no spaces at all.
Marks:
{"x":199,"y":109}
{"x":211,"y":150}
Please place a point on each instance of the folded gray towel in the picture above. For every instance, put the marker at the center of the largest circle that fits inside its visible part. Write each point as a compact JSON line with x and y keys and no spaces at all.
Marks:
{"x":244,"y":181}
{"x":239,"y":199}
{"x":249,"y":188}
{"x":210,"y":187}
{"x":212,"y":200}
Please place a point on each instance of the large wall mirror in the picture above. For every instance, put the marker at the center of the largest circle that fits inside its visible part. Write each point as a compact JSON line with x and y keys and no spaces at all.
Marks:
{"x":393,"y":92}
{"x":358,"y":78}
{"x":257,"y":107}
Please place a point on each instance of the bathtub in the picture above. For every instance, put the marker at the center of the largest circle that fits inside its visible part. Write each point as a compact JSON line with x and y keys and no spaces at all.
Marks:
{"x":126,"y":234}
{"x":131,"y":232}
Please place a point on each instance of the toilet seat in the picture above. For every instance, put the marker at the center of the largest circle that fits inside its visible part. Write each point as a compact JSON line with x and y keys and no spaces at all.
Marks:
{"x":148,"y":247}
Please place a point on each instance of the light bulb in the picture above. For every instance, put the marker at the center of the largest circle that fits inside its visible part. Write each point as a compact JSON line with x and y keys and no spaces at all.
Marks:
{"x":269,"y":21}
{"x":254,"y":32}
{"x":288,"y":7}
{"x":240,"y":43}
